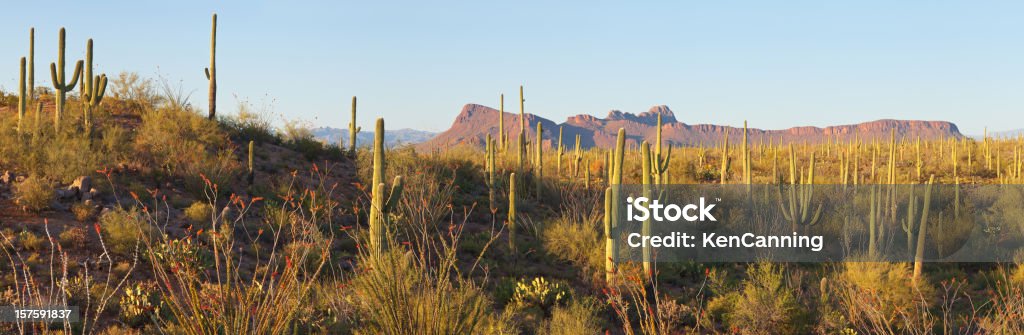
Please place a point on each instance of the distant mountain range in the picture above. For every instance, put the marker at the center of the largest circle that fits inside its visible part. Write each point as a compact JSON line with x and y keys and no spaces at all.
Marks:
{"x":474,"y":122}
{"x":392,"y":137}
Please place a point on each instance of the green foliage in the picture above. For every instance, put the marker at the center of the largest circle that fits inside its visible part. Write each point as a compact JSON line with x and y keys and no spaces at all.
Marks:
{"x":199,"y":212}
{"x":34,"y":193}
{"x":540,"y":293}
{"x":137,"y":303}
{"x":574,"y":242}
{"x":187,"y":146}
{"x":30,"y":241}
{"x":765,"y":304}
{"x":122,"y":230}
{"x":581,"y":316}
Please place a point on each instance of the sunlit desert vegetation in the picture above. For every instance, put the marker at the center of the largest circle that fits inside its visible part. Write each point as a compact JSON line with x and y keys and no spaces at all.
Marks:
{"x":154,"y":215}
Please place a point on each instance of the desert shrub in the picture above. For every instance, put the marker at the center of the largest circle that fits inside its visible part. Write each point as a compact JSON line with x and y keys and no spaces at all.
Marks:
{"x":199,"y":212}
{"x":574,"y":242}
{"x":539,"y":292}
{"x":30,"y":241}
{"x":252,"y":123}
{"x":122,"y":230}
{"x":83,"y":212}
{"x":138,"y":92}
{"x":73,"y":237}
{"x":34,"y":193}
{"x":393,"y":295}
{"x":188,"y":146}
{"x":765,"y":304}
{"x":138,"y":302}
{"x":578,"y":317}
{"x":880,"y":297}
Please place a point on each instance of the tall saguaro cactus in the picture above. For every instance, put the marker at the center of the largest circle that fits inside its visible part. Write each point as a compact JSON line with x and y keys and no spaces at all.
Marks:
{"x":645,"y":178}
{"x":211,"y":72}
{"x":659,"y":163}
{"x":501,"y":123}
{"x":512,"y":212}
{"x":380,"y":207}
{"x":539,"y":178}
{"x":353,"y":130}
{"x":522,"y":129}
{"x":93,"y":88}
{"x":60,"y":85}
{"x":22,"y":98}
{"x":491,"y":164}
{"x":611,"y":223}
{"x":922,"y":229}
{"x":31,"y":64}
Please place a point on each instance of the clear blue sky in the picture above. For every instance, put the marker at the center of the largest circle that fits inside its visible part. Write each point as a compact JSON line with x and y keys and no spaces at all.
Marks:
{"x":775,"y":63}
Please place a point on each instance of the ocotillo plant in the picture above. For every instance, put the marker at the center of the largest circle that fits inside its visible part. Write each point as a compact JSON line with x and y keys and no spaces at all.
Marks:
{"x":922,"y":230}
{"x":211,"y":72}
{"x":22,"y":97}
{"x":93,"y":88}
{"x":380,"y":207}
{"x":60,"y":85}
{"x":353,"y":130}
{"x":611,"y":199}
{"x":252,"y":173}
{"x":539,"y":177}
{"x":512,"y":212}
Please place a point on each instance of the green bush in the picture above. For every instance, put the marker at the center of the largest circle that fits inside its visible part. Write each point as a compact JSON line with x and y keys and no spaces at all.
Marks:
{"x":30,"y":241}
{"x":579,"y":317}
{"x":765,"y":304}
{"x":72,"y":237}
{"x":34,"y":193}
{"x":199,"y":212}
{"x":122,"y":230}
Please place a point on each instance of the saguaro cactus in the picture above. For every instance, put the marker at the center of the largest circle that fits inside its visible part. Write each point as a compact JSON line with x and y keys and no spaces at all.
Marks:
{"x":211,"y":72}
{"x":60,"y":85}
{"x":380,"y":207}
{"x":797,"y":209}
{"x":611,"y":205}
{"x":252,"y":171}
{"x":725,"y":158}
{"x":611,"y":249}
{"x":539,"y":178}
{"x":522,"y":129}
{"x":501,"y":123}
{"x":353,"y":130}
{"x":512,"y":212}
{"x":22,"y":98}
{"x":659,"y":163}
{"x":491,"y":167}
{"x":558,"y":156}
{"x":93,"y":88}
{"x":922,"y":230}
{"x":31,"y":64}
{"x":645,"y":178}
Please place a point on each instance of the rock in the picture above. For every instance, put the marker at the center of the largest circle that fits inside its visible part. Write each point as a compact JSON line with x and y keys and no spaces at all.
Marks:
{"x":65,"y":194}
{"x":81,"y":185}
{"x":6,"y":178}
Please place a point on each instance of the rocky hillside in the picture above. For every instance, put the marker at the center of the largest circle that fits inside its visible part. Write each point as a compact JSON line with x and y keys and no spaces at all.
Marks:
{"x":476,"y":121}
